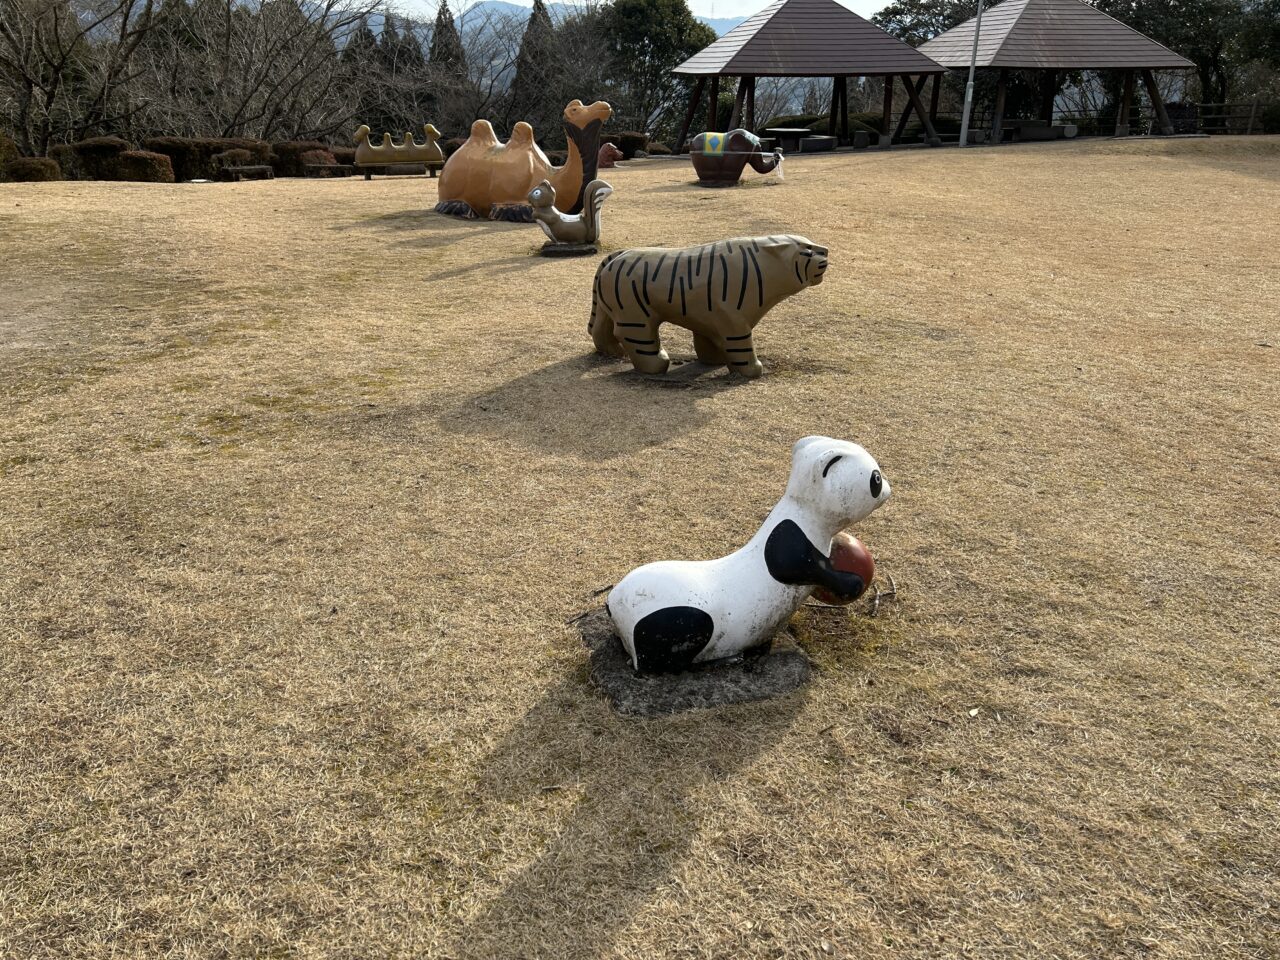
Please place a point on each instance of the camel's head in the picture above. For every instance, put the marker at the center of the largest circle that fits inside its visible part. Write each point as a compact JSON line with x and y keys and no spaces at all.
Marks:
{"x":579,"y":115}
{"x":362,"y":133}
{"x":432,"y":133}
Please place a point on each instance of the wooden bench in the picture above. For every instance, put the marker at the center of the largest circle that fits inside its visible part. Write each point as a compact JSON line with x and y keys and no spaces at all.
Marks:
{"x":398,"y":169}
{"x":251,"y":172}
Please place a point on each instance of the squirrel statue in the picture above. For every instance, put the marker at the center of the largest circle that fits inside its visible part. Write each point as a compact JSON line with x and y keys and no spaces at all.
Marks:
{"x":582,"y":228}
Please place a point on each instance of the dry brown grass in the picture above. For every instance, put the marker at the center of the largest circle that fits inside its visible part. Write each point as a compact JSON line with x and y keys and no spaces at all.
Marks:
{"x":301,"y":483}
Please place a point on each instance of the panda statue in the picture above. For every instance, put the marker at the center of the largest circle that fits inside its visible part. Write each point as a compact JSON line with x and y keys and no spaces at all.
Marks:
{"x":675,"y":613}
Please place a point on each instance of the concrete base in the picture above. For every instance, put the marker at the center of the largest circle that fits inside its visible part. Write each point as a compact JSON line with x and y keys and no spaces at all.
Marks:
{"x":759,"y":676}
{"x":553,"y":249}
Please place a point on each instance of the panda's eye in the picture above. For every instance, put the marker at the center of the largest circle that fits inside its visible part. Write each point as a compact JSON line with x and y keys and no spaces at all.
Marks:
{"x":877,"y":483}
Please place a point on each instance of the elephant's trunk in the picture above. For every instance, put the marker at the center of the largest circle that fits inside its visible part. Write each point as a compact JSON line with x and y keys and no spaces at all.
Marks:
{"x":760,"y":165}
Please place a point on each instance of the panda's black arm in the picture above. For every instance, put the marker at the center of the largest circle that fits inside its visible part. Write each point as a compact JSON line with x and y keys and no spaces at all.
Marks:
{"x":792,"y":558}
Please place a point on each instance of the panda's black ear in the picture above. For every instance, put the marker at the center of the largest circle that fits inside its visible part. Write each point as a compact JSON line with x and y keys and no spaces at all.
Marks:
{"x":831,"y":463}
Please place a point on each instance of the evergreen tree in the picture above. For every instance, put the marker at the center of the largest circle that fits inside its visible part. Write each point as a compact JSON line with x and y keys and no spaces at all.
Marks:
{"x":535,"y":90}
{"x":446,"y":44}
{"x":650,"y":37}
{"x":362,"y":46}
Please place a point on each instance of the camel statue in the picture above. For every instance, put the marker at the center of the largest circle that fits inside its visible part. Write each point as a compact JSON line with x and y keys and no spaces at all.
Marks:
{"x":488,"y":178}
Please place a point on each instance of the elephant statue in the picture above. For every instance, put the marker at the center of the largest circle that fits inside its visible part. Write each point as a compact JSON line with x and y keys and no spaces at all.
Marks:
{"x":718,"y":158}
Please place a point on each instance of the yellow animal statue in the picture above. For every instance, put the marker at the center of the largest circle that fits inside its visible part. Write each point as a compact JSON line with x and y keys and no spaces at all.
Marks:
{"x":409,"y":151}
{"x":488,"y":178}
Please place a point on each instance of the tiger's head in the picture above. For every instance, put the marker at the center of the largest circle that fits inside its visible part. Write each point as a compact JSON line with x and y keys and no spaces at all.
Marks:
{"x":797,"y":261}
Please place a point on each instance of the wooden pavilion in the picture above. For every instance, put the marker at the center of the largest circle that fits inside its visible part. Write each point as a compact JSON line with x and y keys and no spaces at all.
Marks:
{"x":1052,"y":36}
{"x":807,"y":38}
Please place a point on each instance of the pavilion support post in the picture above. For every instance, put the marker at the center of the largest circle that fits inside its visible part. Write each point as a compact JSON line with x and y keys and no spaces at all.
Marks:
{"x":1048,"y":93}
{"x":736,"y":114}
{"x":694,"y":100}
{"x":886,"y":138}
{"x":1157,"y":102}
{"x":844,"y":110}
{"x":997,"y":113}
{"x":913,"y":98}
{"x":906,"y":114}
{"x":713,"y":103}
{"x":750,"y":121}
{"x":934,"y":95}
{"x":835,"y":107}
{"x":1126,"y":102}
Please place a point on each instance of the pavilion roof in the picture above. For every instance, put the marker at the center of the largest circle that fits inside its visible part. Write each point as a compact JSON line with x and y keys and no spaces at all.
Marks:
{"x":1051,"y":35}
{"x":807,"y":38}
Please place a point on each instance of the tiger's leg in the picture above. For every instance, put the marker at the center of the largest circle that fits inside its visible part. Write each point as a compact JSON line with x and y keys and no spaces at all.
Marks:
{"x":602,"y":334}
{"x":643,"y":346}
{"x":709,"y":351}
{"x":740,"y":348}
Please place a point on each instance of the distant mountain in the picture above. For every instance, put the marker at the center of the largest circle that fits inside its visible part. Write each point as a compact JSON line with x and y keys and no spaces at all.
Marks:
{"x":477,"y":13}
{"x":722,"y":25}
{"x":488,"y":14}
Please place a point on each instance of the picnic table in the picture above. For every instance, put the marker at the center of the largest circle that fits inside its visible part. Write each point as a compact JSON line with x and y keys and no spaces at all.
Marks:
{"x":789,"y":137}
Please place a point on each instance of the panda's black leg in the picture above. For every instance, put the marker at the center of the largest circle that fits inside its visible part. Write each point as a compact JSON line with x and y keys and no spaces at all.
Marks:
{"x":671,"y":638}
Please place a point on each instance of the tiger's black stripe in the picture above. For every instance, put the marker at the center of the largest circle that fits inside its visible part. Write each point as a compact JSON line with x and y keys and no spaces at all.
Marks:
{"x":711,"y":272}
{"x":759,"y":279}
{"x":671,"y":287}
{"x":683,"y":309}
{"x":639,"y":303}
{"x":724,"y":266}
{"x":745,"y":336}
{"x":743,"y":292}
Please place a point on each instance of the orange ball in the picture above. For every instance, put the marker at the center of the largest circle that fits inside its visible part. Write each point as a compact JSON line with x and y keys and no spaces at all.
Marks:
{"x":848,"y":555}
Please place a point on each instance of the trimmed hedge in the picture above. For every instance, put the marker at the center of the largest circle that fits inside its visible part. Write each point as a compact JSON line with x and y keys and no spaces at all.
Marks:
{"x":657,"y":149}
{"x":94,"y":159}
{"x":192,"y":157}
{"x":629,"y":141}
{"x":143,"y":166}
{"x":324,"y":157}
{"x":343,"y":154}
{"x":451,"y":146}
{"x":8,"y":152}
{"x":31,"y":170}
{"x":1270,"y":118}
{"x":286,"y":157}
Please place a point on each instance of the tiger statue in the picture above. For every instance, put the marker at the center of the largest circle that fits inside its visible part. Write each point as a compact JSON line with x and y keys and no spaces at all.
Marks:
{"x":718,"y":291}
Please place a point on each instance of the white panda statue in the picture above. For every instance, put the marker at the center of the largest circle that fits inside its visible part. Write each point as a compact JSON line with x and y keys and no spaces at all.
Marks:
{"x":676,"y":613}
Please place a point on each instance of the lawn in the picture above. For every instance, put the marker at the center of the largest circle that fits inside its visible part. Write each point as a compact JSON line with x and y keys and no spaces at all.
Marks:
{"x":303,"y":485}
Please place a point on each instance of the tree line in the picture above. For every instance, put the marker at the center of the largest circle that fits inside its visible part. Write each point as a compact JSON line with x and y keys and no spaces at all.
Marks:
{"x":315,"y":69}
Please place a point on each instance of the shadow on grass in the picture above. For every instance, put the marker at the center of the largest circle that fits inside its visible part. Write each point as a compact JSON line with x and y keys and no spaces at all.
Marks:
{"x":426,"y":219}
{"x":623,"y":838}
{"x":593,"y":407}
